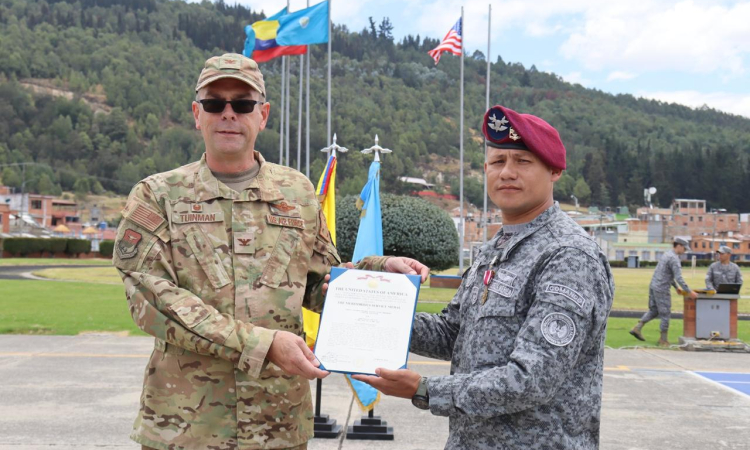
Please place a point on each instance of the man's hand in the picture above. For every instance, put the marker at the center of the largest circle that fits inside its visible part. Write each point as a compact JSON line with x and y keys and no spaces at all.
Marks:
{"x":693,"y":295}
{"x":398,"y":383}
{"x":289,"y":352}
{"x":400,"y":264}
{"x":349,"y":265}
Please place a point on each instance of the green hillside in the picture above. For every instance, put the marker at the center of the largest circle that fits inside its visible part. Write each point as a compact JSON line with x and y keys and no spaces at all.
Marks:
{"x":98,"y":92}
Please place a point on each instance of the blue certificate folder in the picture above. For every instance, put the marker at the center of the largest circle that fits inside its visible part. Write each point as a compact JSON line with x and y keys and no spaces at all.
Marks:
{"x":337,"y":272}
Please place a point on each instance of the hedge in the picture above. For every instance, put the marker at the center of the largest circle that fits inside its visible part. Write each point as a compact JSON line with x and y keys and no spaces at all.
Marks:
{"x":27,"y":246}
{"x":412,"y":227}
{"x":106,"y":248}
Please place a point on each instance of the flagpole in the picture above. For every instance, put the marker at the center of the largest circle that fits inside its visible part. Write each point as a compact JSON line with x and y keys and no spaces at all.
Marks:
{"x":307,"y":112}
{"x":299,"y":112}
{"x":330,"y":38}
{"x":281,"y":112}
{"x":288,"y":107}
{"x":486,"y":107}
{"x":461,"y":150}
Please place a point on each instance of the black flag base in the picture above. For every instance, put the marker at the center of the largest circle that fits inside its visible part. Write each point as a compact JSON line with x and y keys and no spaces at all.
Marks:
{"x":326,"y":428}
{"x":370,"y":427}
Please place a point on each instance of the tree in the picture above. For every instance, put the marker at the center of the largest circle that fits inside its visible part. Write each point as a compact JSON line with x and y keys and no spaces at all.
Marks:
{"x":564,"y":187}
{"x":412,"y":227}
{"x":45,"y":186}
{"x":582,"y":191}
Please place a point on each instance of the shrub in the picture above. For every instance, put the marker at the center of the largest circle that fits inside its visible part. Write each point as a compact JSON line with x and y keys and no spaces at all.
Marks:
{"x":412,"y":227}
{"x":77,"y":246}
{"x":106,"y":248}
{"x":56,"y":245}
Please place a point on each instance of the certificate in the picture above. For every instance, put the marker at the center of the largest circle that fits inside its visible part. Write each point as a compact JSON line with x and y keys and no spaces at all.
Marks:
{"x":366,"y":321}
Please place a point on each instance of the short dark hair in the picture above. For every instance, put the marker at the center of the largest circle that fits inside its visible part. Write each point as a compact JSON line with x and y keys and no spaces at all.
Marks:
{"x":675,"y":244}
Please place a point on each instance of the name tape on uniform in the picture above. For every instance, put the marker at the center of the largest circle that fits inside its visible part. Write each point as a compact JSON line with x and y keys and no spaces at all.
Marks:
{"x":285,"y":221}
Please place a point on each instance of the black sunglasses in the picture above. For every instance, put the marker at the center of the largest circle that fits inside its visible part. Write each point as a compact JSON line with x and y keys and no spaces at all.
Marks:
{"x":215,"y":105}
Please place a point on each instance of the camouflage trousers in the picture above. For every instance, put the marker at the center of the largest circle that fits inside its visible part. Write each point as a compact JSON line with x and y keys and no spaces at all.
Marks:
{"x":299,"y":447}
{"x":659,"y":305}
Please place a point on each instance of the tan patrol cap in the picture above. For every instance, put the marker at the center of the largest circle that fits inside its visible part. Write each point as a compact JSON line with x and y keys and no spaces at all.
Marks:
{"x":231,"y":65}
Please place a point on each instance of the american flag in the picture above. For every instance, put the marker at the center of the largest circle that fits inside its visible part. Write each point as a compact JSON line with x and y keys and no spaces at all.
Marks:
{"x":451,"y":43}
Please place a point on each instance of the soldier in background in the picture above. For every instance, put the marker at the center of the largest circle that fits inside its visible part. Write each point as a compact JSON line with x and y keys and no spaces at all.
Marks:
{"x":218,"y":257}
{"x":525,"y":331}
{"x":724,"y":270}
{"x":668,"y":273}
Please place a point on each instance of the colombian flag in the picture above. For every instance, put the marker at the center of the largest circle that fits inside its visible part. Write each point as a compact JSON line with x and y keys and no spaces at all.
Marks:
{"x":260,"y":41}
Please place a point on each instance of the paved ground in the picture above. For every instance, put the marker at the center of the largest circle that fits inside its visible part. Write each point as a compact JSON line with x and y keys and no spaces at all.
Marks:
{"x":81,"y":392}
{"x":23,"y":272}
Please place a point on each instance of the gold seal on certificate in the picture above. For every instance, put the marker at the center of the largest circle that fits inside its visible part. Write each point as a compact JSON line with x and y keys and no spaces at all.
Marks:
{"x":366,"y":321}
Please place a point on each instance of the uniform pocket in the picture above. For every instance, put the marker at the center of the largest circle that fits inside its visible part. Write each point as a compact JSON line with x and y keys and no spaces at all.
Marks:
{"x":206,"y":255}
{"x":277,"y":264}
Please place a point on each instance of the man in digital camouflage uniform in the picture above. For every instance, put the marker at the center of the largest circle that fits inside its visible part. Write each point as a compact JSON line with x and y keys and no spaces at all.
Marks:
{"x":668,"y":273}
{"x":525,"y":331}
{"x":723,"y":271}
{"x":218,"y":257}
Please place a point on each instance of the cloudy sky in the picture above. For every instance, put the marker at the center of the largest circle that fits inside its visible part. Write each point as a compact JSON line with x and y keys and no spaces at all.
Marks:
{"x":684,"y":51}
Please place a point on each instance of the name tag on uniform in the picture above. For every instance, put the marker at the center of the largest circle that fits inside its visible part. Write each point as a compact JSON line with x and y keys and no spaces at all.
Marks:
{"x":244,"y":243}
{"x":285,"y":221}
{"x":197,"y":217}
{"x":498,"y":287}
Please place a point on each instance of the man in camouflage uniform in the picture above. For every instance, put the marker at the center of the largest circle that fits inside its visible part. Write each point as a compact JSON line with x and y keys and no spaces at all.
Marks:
{"x":668,"y":273}
{"x":724,"y":270}
{"x":525,"y":331}
{"x":218,"y":257}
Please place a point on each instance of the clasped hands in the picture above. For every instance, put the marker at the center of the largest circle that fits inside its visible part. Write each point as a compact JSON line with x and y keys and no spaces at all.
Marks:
{"x":291,"y":354}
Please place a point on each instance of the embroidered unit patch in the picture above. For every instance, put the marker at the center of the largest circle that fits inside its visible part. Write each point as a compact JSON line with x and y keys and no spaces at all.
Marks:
{"x":558,"y":329}
{"x":128,"y":245}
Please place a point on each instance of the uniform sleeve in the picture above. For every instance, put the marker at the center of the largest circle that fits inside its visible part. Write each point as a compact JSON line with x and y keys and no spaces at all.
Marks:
{"x":571,"y":299}
{"x":676,"y":267}
{"x":710,"y":277}
{"x":738,"y":277}
{"x":434,"y":335}
{"x":163,"y":309}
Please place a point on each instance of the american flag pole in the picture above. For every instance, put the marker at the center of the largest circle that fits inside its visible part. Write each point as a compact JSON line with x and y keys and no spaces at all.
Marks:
{"x":288,"y":100}
{"x":486,"y":107}
{"x":461,"y":151}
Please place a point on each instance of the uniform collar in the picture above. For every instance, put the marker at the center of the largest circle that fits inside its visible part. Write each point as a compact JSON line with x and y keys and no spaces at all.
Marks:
{"x":208,"y":187}
{"x":538,"y":222}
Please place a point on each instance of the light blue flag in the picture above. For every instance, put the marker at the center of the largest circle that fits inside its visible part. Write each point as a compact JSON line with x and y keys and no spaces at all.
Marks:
{"x":370,"y":234}
{"x":304,"y":27}
{"x":369,"y":243}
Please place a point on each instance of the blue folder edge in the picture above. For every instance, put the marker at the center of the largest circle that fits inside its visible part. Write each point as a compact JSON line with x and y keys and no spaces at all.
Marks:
{"x":335,"y":273}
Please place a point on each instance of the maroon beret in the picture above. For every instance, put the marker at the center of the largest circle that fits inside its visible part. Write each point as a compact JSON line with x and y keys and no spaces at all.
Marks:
{"x":505,"y":128}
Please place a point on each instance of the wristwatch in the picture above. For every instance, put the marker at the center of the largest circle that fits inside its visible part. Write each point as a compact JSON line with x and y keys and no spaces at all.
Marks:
{"x":421,"y":398}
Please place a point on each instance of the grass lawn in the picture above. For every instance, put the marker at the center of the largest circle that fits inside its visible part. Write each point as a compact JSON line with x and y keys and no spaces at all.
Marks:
{"x":103,"y":275}
{"x":43,"y":307}
{"x":52,"y":261}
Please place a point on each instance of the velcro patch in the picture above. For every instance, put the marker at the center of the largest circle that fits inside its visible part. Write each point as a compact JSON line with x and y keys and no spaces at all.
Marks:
{"x":244,"y":243}
{"x":284,"y":209}
{"x":498,"y":287}
{"x":127,"y":247}
{"x":143,"y":216}
{"x":566,"y":292}
{"x":285,"y":221}
{"x":558,"y":329}
{"x":189,"y":217}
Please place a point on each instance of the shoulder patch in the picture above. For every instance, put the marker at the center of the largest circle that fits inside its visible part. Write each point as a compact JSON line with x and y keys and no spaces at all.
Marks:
{"x":127,"y":247}
{"x":566,"y":292}
{"x":142,"y":215}
{"x":558,"y":329}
